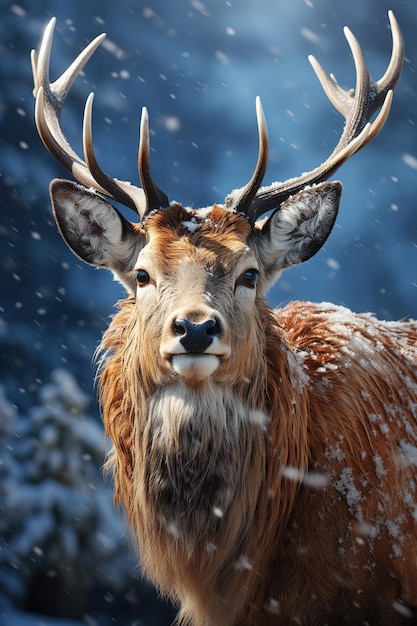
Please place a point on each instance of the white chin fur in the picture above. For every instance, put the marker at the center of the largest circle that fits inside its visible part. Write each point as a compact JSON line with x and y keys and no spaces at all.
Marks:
{"x":196,"y":367}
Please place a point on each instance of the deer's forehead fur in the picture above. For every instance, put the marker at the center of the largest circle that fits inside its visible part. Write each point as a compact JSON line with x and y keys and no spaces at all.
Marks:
{"x":214,"y":236}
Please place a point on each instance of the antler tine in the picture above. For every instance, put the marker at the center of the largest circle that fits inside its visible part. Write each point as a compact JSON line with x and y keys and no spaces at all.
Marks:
{"x":40,"y":65}
{"x":115,"y":188}
{"x":53,"y":96}
{"x":356,"y":105}
{"x":50,"y":99}
{"x":351,"y":104}
{"x":246,"y":194}
{"x":155,"y":198}
{"x":393,"y":72}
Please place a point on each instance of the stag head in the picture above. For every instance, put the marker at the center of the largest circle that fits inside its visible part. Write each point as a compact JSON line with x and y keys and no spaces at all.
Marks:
{"x":198,"y":275}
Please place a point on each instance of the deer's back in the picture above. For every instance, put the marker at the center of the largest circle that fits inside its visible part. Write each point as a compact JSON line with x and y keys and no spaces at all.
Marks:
{"x":351,"y":542}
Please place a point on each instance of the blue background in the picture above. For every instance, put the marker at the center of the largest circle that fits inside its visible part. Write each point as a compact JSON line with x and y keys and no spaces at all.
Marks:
{"x":198,"y":67}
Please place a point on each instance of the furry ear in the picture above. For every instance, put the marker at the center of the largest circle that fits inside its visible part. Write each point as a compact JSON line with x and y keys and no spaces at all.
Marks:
{"x":93,"y":228}
{"x":299,"y":228}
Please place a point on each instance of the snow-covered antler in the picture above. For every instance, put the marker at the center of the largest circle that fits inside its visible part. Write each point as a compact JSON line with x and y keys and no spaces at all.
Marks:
{"x":50,"y":98}
{"x":356,"y":105}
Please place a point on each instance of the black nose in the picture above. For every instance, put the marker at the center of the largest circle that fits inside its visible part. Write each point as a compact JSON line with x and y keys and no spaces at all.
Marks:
{"x":196,"y":337}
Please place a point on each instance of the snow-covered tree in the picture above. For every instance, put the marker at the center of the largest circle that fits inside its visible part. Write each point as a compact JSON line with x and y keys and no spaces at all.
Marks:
{"x":61,"y":537}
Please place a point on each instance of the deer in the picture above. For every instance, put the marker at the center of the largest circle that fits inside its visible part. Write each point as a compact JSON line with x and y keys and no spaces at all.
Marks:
{"x":266,"y":459}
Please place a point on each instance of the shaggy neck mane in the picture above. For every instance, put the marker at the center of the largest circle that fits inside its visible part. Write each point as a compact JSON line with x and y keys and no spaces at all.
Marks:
{"x":195,"y":468}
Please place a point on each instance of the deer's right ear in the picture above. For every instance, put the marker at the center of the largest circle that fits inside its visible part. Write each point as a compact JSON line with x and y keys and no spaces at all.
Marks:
{"x":93,"y":228}
{"x":295,"y":232}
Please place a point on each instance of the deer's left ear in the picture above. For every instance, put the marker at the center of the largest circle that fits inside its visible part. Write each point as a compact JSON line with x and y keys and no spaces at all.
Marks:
{"x":298,"y":229}
{"x":95,"y":230}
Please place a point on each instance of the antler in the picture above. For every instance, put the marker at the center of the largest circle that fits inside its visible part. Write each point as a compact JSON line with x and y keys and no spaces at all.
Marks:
{"x":357,"y":106}
{"x":50,"y":99}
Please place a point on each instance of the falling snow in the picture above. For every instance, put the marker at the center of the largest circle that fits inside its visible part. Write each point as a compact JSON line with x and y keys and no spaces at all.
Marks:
{"x":410,"y":160}
{"x":202,"y":99}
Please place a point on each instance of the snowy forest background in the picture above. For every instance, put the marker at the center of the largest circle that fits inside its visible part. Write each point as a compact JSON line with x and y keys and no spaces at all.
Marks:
{"x":197,"y":65}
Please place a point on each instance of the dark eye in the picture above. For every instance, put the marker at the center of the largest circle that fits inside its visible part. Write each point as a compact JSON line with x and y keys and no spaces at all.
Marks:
{"x":249,"y":278}
{"x":142,"y":278}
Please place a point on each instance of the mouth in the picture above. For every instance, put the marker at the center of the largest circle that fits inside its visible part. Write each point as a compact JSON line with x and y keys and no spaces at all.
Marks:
{"x":196,"y":366}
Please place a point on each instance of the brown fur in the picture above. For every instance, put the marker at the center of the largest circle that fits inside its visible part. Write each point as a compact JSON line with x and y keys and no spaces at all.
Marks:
{"x":283,"y":489}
